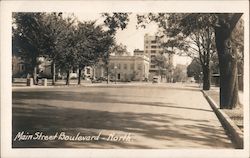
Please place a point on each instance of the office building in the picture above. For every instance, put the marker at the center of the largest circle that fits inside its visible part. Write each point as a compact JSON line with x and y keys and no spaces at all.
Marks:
{"x":152,"y":47}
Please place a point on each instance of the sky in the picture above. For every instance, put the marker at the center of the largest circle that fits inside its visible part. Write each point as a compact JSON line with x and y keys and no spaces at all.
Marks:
{"x":131,"y":37}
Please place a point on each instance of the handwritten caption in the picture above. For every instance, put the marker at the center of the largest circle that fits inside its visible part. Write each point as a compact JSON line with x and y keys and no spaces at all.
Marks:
{"x":63,"y":136}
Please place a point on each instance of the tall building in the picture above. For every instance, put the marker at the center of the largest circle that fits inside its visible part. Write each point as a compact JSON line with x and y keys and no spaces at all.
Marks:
{"x":152,"y":47}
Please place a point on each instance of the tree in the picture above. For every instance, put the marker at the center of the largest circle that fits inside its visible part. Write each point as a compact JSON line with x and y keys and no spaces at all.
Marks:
{"x":227,"y":55}
{"x":105,"y":45}
{"x":66,"y":60}
{"x":55,"y":30}
{"x":119,"y":50}
{"x":180,"y":74}
{"x":92,"y":43}
{"x":238,"y":43}
{"x":160,"y":61}
{"x":28,"y":39}
{"x":202,"y":35}
{"x":40,"y":34}
{"x":113,"y":21}
{"x":194,"y":69}
{"x":222,"y":26}
{"x":188,"y":34}
{"x":85,"y":50}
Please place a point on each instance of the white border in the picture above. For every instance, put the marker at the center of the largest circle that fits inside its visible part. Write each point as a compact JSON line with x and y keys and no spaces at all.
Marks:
{"x":7,"y":7}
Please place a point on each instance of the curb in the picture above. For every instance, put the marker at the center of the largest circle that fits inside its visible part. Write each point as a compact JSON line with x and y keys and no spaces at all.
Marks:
{"x":231,"y":128}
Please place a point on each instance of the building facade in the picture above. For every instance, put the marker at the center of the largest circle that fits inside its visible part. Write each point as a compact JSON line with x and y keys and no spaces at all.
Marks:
{"x":20,"y":70}
{"x":152,"y":47}
{"x":44,"y":69}
{"x":138,"y":52}
{"x":18,"y":66}
{"x":125,"y":68}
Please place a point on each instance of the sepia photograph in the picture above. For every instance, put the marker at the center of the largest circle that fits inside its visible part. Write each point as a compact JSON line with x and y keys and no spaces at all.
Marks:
{"x":126,"y":79}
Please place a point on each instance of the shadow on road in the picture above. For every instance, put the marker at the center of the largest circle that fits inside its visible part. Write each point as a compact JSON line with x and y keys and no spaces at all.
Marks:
{"x":50,"y":119}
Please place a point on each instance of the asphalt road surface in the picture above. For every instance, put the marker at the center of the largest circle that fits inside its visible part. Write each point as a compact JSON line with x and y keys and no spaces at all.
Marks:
{"x":139,"y":116}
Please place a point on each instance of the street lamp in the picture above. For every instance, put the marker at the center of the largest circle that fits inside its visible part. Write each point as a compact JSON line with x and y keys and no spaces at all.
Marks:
{"x":115,"y":73}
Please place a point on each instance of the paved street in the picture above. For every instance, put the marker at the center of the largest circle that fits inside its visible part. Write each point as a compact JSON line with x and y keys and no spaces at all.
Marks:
{"x":149,"y":115}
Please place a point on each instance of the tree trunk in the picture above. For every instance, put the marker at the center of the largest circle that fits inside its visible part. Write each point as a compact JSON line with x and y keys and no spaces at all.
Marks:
{"x":107,"y":69}
{"x":67,"y":80}
{"x":228,"y":69}
{"x":206,"y":77}
{"x":35,"y":75}
{"x":53,"y":73}
{"x":79,"y":75}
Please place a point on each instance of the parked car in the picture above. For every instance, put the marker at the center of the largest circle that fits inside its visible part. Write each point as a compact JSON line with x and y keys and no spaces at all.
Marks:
{"x":96,"y":81}
{"x":102,"y":79}
{"x":155,"y":79}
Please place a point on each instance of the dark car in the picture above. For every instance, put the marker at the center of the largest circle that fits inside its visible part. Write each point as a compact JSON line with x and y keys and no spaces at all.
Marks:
{"x":102,"y":79}
{"x":96,"y":81}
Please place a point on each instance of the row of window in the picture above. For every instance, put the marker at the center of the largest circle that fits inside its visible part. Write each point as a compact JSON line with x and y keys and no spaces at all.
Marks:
{"x":21,"y":67}
{"x":150,"y":41}
{"x":153,"y":47}
{"x":125,"y":66}
{"x":152,"y":66}
{"x":151,"y":52}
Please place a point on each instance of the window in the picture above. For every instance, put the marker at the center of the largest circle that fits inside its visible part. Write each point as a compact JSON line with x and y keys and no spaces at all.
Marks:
{"x":21,"y":67}
{"x":154,"y":41}
{"x":88,"y":70}
{"x":153,"y":47}
{"x":112,"y":65}
{"x":125,"y":66}
{"x":118,"y":66}
{"x":139,"y":66}
{"x":132,"y":66}
{"x":152,"y":56}
{"x":152,"y":66}
{"x":153,"y":51}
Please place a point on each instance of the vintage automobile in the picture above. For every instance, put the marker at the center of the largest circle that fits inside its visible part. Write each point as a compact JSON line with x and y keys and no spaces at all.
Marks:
{"x":155,"y":79}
